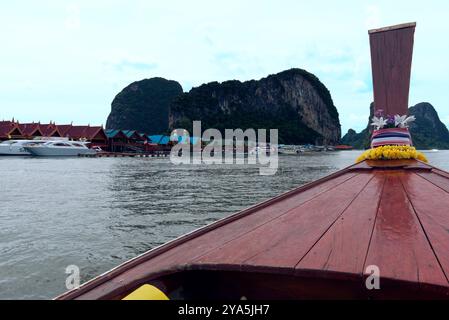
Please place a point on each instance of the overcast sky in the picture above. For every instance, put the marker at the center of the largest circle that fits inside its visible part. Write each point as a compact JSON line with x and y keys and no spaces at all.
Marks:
{"x":66,"y":60}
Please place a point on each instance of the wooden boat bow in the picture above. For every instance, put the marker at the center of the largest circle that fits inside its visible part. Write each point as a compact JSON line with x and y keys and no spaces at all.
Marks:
{"x":315,"y":241}
{"x":321,"y":240}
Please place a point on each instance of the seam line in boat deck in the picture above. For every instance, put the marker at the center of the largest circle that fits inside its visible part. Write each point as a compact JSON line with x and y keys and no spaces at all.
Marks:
{"x":272,"y":219}
{"x":100,"y":280}
{"x":422,"y":226}
{"x":374,"y":224}
{"x":333,"y":223}
{"x":438,"y":175}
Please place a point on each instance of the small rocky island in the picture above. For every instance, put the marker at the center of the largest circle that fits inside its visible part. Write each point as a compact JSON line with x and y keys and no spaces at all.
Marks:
{"x":293,"y":101}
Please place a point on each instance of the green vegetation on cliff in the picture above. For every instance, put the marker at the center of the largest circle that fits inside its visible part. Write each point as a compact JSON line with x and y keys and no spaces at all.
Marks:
{"x":294,"y":101}
{"x":144,"y":106}
{"x":428,"y":132}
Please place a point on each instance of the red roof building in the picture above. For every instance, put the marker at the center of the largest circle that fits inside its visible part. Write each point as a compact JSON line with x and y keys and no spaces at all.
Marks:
{"x":30,"y":130}
{"x":50,"y":130}
{"x":95,"y":135}
{"x":64,"y":129}
{"x":15,"y":130}
{"x":10,"y":130}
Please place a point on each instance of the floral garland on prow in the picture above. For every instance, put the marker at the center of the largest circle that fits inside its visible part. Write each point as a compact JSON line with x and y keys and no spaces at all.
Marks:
{"x":391,"y":139}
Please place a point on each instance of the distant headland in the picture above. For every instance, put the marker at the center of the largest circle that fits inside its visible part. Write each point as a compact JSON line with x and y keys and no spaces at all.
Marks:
{"x":428,"y":132}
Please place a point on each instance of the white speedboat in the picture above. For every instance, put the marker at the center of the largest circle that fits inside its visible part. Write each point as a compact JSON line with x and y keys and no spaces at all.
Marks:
{"x":289,"y":150}
{"x":17,"y":147}
{"x":263,"y":149}
{"x":59,"y":149}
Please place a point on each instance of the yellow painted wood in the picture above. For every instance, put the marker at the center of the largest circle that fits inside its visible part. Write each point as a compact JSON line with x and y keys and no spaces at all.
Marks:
{"x":146,"y":292}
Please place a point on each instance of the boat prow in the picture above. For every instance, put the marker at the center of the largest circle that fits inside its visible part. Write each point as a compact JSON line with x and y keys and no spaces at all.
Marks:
{"x":319,"y":241}
{"x":375,"y":230}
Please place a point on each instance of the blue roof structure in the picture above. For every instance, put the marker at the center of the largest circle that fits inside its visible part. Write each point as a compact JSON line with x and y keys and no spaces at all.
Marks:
{"x":111,"y":133}
{"x":164,"y":140}
{"x":184,"y":139}
{"x":155,"y":138}
{"x":129,"y":133}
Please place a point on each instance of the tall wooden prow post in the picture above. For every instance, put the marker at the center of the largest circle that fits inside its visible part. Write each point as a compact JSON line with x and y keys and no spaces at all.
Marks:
{"x":391,"y":60}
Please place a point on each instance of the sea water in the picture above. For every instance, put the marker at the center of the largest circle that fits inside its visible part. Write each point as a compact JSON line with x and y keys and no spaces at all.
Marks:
{"x":97,"y":213}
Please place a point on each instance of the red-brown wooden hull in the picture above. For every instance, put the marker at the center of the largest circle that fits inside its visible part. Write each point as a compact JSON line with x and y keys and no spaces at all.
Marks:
{"x":314,"y":242}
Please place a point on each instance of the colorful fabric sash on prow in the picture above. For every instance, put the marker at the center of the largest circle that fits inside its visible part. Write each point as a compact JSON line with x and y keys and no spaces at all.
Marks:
{"x":391,"y":136}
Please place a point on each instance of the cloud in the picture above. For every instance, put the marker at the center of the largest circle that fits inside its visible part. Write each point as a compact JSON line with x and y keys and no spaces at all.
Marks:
{"x":361,"y":86}
{"x":73,"y":18}
{"x":354,"y":121}
{"x":373,"y":17}
{"x":358,"y":117}
{"x":445,"y":120}
{"x":101,"y":46}
{"x":135,"y":65}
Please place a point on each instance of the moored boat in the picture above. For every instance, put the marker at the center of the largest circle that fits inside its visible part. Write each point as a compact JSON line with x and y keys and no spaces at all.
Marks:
{"x":289,"y":150}
{"x":265,"y":149}
{"x":17,"y":147}
{"x":382,"y":219}
{"x":59,"y":149}
{"x":343,"y":147}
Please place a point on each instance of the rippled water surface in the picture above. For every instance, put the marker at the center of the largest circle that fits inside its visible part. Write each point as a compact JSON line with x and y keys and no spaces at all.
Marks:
{"x":98,"y":213}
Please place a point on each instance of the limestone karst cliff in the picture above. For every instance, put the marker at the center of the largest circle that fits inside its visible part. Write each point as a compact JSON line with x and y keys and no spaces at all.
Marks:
{"x":293,"y":101}
{"x":144,"y":106}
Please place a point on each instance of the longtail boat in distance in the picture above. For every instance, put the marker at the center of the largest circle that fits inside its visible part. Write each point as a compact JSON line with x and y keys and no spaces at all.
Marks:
{"x":375,"y":230}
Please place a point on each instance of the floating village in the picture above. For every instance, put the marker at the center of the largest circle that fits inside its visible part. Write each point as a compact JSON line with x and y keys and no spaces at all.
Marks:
{"x":72,"y":140}
{"x":94,"y":141}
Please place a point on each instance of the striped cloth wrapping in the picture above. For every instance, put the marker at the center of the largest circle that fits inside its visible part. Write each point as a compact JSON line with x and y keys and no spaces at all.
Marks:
{"x":391,"y":136}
